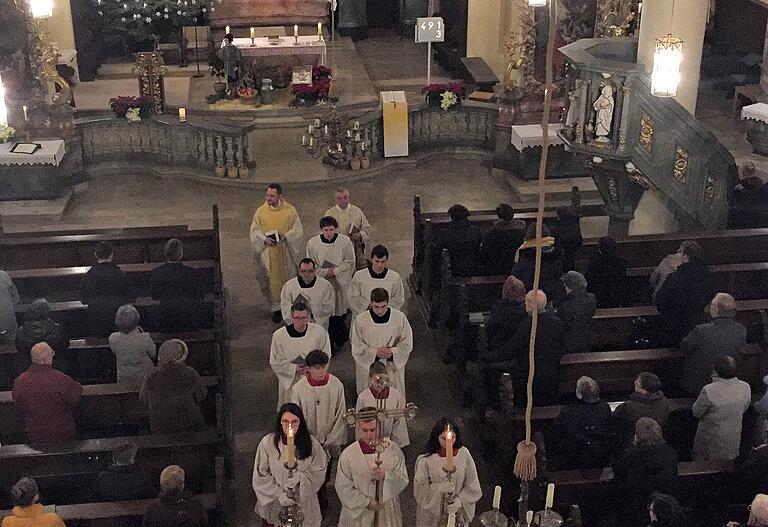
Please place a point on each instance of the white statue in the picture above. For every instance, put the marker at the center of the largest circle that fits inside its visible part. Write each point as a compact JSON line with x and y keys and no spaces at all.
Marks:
{"x":604,"y":108}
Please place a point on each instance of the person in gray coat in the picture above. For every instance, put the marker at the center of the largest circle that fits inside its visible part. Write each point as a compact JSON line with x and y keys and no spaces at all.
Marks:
{"x":719,"y":409}
{"x":576,"y":310}
{"x":722,"y":336}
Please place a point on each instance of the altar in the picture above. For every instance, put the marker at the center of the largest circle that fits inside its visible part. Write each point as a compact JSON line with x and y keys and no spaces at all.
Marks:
{"x":286,"y":46}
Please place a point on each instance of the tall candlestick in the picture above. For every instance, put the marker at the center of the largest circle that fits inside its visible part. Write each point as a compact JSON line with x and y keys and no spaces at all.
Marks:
{"x":449,"y":438}
{"x":451,"y":520}
{"x":550,"y":495}
{"x":182,"y":115}
{"x":290,"y":449}
{"x":24,"y":109}
{"x":496,"y":497}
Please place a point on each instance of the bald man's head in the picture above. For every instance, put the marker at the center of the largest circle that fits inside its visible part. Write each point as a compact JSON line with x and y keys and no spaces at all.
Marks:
{"x":535,"y":300}
{"x":723,"y":305}
{"x":42,"y":353}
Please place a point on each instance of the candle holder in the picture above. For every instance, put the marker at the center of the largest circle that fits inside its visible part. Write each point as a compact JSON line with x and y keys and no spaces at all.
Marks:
{"x":253,"y":42}
{"x":291,"y":516}
{"x":449,"y":498}
{"x":547,"y":518}
{"x":331,"y":138}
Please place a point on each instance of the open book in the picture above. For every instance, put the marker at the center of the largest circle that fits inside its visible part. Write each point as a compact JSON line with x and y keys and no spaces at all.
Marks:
{"x":274,"y":235}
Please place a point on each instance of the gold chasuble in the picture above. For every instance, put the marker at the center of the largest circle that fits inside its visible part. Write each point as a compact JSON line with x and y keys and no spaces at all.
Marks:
{"x":276,"y":263}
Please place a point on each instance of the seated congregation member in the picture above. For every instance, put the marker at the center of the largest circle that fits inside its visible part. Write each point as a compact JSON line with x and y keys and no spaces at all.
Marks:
{"x":335,"y":257}
{"x":584,"y":428}
{"x":720,"y":408}
{"x":665,"y":511}
{"x":352,"y":222}
{"x":105,"y":287}
{"x":576,"y":311}
{"x":551,"y":263}
{"x":549,"y":349}
{"x":289,"y":349}
{"x":38,"y":327}
{"x":9,"y":297}
{"x":173,"y":391}
{"x":308,"y":288}
{"x":430,"y":484}
{"x":461,"y":238}
{"x":506,"y":314}
{"x":122,"y":479}
{"x":567,"y":233}
{"x":271,"y":481}
{"x":497,"y":253}
{"x":685,"y":293}
{"x":669,"y":265}
{"x":646,"y":401}
{"x":382,"y":334}
{"x":381,"y":395}
{"x":758,"y":513}
{"x":178,"y":289}
{"x":134,"y":350}
{"x":27,"y":509}
{"x":606,"y":275}
{"x":722,"y":336}
{"x":648,"y":466}
{"x":358,"y":474}
{"x":175,"y":506}
{"x":46,"y":399}
{"x":377,"y":274}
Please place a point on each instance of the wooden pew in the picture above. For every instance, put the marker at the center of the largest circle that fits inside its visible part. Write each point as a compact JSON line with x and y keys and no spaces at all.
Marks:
{"x":195,"y":452}
{"x":106,"y":409}
{"x":63,"y":283}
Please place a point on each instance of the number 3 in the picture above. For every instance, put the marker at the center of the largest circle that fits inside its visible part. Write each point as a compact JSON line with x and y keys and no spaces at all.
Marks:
{"x":438,"y":34}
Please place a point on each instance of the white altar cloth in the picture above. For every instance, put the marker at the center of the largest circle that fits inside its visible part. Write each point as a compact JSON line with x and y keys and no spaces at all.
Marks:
{"x":50,"y":153}
{"x":758,"y":112}
{"x":527,"y":135}
{"x":308,"y":45}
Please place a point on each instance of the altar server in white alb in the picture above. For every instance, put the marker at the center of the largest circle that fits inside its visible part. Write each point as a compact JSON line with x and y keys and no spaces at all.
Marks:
{"x":381,"y":395}
{"x":316,"y":292}
{"x":381,"y":334}
{"x":290,"y":346}
{"x":430,"y":483}
{"x":335,"y":259}
{"x":357,"y":476}
{"x":271,"y":482}
{"x":353,"y":223}
{"x":320,"y":395}
{"x":377,"y":274}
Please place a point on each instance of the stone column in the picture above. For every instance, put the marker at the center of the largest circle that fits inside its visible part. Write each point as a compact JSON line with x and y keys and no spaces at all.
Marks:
{"x":764,"y":74}
{"x":688,"y":24}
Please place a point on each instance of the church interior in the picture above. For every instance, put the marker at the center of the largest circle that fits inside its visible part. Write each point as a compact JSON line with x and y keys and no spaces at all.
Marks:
{"x":613,"y":130}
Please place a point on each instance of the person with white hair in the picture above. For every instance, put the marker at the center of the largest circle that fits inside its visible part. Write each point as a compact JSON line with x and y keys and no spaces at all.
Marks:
{"x":174,"y":506}
{"x":758,"y":513}
{"x":585,"y":428}
{"x":134,"y":350}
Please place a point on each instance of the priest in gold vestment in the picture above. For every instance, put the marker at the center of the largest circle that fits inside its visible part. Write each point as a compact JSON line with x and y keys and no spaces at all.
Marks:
{"x":276,"y":240}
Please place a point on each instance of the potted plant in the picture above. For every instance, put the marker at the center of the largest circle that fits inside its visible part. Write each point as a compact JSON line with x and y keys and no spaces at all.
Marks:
{"x":248,"y":89}
{"x":6,"y":133}
{"x":219,"y":75}
{"x":444,"y":95}
{"x":137,"y":107}
{"x":309,"y":94}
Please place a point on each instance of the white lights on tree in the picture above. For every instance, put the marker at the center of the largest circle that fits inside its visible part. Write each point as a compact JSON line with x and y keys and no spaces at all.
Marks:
{"x":666,"y":66}
{"x":3,"y":108}
{"x":537,"y":3}
{"x":41,"y":8}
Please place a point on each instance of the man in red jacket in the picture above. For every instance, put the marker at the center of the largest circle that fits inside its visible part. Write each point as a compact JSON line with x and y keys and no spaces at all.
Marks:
{"x":46,"y":398}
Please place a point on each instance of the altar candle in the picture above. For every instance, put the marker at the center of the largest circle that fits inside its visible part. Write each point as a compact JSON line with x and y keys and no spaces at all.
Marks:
{"x":496,"y":497}
{"x":295,"y":31}
{"x":529,"y":518}
{"x":226,"y":30}
{"x":338,"y":147}
{"x":311,"y":141}
{"x":24,"y":109}
{"x":326,"y":129}
{"x":289,"y":457}
{"x":303,"y":140}
{"x":449,"y":438}
{"x":451,"y":520}
{"x":253,"y":32}
{"x":550,"y":495}
{"x":319,"y":28}
{"x":182,"y":115}
{"x":311,"y":129}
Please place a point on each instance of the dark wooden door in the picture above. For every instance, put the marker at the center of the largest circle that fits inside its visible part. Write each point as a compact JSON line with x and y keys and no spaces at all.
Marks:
{"x":383,"y":13}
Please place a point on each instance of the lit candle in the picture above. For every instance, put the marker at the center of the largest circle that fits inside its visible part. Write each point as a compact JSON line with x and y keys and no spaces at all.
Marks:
{"x":303,"y":140}
{"x":311,"y":129}
{"x":319,"y":28}
{"x":496,"y":497}
{"x":24,"y":109}
{"x":451,"y":520}
{"x":253,"y":32}
{"x":289,"y":458}
{"x":295,"y":31}
{"x":550,"y":495}
{"x":226,"y":30}
{"x":529,"y":518}
{"x":183,"y":115}
{"x":449,"y":438}
{"x":311,"y":141}
{"x":326,"y":129}
{"x":338,"y":147}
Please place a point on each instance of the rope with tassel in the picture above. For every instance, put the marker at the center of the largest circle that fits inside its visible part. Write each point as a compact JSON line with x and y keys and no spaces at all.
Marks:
{"x":525,"y":461}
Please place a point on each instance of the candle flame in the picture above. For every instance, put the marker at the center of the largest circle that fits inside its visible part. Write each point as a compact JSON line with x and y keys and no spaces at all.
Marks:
{"x":290,"y":431}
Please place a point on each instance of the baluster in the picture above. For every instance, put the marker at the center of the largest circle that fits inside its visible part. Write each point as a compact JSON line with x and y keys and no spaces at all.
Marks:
{"x":210,"y":160}
{"x":230,"y":151}
{"x":239,"y":157}
{"x":200,"y":146}
{"x":219,"y":150}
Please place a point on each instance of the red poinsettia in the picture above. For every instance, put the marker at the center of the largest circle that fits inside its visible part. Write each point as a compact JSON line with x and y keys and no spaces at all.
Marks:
{"x":321,"y":83}
{"x":121,"y":104}
{"x":457,"y":88}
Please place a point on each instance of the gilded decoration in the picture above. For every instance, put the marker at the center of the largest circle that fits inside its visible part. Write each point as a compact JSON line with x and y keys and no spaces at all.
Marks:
{"x":638,"y":178}
{"x":149,"y":69}
{"x":680,"y":169}
{"x":646,"y":132}
{"x":50,"y":59}
{"x":519,"y":47}
{"x":613,"y":190}
{"x":615,"y":18}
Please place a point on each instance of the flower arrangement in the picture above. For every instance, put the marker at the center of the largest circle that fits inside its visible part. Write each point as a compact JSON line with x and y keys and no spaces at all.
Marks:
{"x":132,"y":114}
{"x":444,"y":95}
{"x":321,"y":83}
{"x":6,"y":134}
{"x":121,"y":105}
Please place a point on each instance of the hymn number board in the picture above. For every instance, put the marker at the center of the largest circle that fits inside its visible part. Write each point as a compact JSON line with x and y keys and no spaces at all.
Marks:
{"x":430,"y":29}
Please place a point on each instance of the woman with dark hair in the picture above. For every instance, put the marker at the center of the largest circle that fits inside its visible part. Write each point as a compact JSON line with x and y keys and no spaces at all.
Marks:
{"x":271,"y":481}
{"x":27,"y":511}
{"x":665,"y":511}
{"x":430,"y":483}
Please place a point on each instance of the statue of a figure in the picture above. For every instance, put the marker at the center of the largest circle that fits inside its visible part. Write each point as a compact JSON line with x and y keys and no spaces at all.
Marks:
{"x":604,"y":114}
{"x":233,"y":59}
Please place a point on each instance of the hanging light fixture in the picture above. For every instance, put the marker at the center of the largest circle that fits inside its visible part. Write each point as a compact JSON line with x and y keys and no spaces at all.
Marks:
{"x":41,"y":8}
{"x":666,"y":63}
{"x":3,"y":107}
{"x":537,"y":3}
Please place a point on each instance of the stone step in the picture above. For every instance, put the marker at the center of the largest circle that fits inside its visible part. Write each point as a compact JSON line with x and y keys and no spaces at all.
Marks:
{"x":557,"y":189}
{"x":16,"y":214}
